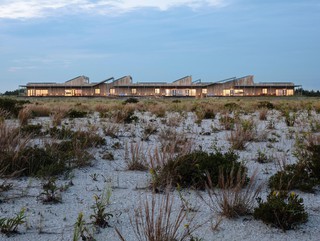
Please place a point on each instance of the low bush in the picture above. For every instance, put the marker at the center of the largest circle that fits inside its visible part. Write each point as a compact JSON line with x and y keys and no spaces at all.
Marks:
{"x":281,"y":210}
{"x":77,"y":114}
{"x":193,"y":169}
{"x":33,"y":130}
{"x":231,"y":106}
{"x":304,"y":175}
{"x":265,"y":104}
{"x":131,"y":100}
{"x":12,"y":106}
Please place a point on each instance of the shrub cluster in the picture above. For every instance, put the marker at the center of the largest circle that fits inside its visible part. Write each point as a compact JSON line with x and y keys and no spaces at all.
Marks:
{"x":12,"y":106}
{"x":194,"y":169}
{"x":303,"y":175}
{"x":281,"y":210}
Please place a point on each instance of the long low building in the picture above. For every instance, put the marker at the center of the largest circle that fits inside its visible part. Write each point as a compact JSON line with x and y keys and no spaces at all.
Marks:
{"x":184,"y":87}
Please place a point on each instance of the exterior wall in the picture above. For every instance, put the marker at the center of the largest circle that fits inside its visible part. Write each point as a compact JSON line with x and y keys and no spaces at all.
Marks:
{"x":183,"y":81}
{"x":80,"y":80}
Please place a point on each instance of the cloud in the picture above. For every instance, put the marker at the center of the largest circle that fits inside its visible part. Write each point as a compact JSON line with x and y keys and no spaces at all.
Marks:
{"x":21,"y":9}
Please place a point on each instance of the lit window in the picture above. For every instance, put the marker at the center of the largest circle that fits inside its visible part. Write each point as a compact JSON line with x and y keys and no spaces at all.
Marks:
{"x":134,"y":91}
{"x":290,"y":92}
{"x":157,"y":91}
{"x":204,"y":91}
{"x":265,"y":91}
{"x":97,"y":91}
{"x":112,"y":91}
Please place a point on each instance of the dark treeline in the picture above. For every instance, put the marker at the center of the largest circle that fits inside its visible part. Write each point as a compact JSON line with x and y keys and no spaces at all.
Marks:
{"x":311,"y":93}
{"x":9,"y":93}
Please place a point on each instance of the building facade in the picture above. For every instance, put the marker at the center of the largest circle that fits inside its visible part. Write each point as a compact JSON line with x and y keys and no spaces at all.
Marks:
{"x":184,"y":87}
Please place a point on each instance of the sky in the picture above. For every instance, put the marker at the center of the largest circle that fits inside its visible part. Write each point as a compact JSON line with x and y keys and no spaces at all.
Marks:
{"x":54,"y":41}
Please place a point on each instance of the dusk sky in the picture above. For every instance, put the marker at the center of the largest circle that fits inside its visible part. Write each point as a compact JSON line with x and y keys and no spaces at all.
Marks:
{"x":56,"y":40}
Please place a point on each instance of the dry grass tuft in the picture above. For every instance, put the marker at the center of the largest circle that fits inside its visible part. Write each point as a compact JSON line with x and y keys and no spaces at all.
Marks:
{"x":158,"y":220}
{"x":233,"y":200}
{"x":137,"y":157}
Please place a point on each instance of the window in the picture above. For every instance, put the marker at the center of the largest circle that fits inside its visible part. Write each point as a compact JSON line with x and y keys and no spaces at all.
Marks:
{"x":290,"y":92}
{"x":204,"y":91}
{"x":226,"y":92}
{"x":112,"y":91}
{"x":157,"y":91}
{"x":97,"y":91}
{"x":78,"y":92}
{"x":41,"y":92}
{"x":31,"y":92}
{"x":133,"y":91}
{"x":264,"y":91}
{"x":68,"y":92}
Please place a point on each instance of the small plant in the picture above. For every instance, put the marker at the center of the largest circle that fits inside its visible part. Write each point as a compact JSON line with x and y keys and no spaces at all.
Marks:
{"x":281,"y":210}
{"x":227,"y":122}
{"x":50,"y":192}
{"x":100,"y":217}
{"x":290,"y":118}
{"x":9,"y":226}
{"x":81,"y":231}
{"x":262,"y":157}
{"x":148,"y":130}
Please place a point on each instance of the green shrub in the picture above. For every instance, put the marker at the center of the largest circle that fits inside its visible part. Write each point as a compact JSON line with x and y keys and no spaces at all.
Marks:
{"x":303,"y":175}
{"x":232,"y":106}
{"x":265,"y":104}
{"x":130,"y":117}
{"x":12,"y":106}
{"x":34,"y":130}
{"x":193,"y":170}
{"x":281,"y":210}
{"x":293,"y":176}
{"x":131,"y":100}
{"x":76,"y":113}
{"x":60,"y":133}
